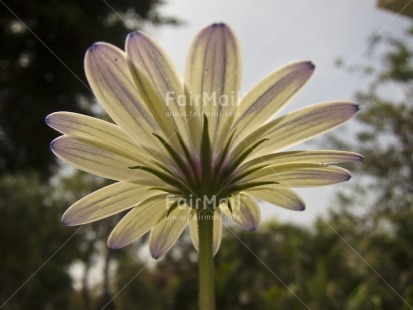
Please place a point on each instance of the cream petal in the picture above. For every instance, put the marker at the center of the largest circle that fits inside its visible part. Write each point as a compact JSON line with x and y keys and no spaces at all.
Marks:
{"x":105,"y":202}
{"x":99,"y":161}
{"x":97,"y":132}
{"x":270,"y":96}
{"x":245,"y":211}
{"x":159,"y":84}
{"x":299,"y":175}
{"x":297,"y":127}
{"x":138,"y":221}
{"x":217,"y":231}
{"x":213,"y":73}
{"x":309,"y":157}
{"x":164,"y":235}
{"x":284,"y":198}
{"x":108,"y":73}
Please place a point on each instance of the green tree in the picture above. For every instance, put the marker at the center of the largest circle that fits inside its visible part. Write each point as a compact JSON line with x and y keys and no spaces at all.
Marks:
{"x":33,"y":267}
{"x":379,"y":209}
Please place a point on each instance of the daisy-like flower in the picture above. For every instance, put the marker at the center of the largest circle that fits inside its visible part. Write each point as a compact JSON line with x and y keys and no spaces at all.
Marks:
{"x":182,"y":150}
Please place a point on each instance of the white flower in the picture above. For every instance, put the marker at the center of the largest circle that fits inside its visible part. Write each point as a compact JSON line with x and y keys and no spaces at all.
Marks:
{"x":177,"y":146}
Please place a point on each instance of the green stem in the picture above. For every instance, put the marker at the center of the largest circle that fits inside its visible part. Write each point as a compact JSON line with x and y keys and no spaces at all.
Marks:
{"x":206,"y":260}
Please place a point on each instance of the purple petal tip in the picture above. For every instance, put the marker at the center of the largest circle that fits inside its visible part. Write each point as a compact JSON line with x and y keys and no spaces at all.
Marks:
{"x":346,"y":176}
{"x":53,"y":144}
{"x":48,"y":120}
{"x":311,"y":65}
{"x":113,"y":246}
{"x":135,"y":34}
{"x":69,"y":220}
{"x":64,"y":221}
{"x":94,"y":47}
{"x":221,"y":25}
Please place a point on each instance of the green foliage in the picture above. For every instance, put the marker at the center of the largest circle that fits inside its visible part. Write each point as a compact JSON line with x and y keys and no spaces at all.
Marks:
{"x":386,"y":123}
{"x":279,"y":267}
{"x":379,"y":219}
{"x":31,"y":233}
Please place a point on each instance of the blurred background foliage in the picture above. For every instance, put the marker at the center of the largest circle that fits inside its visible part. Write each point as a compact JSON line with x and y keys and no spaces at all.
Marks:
{"x":357,"y":257}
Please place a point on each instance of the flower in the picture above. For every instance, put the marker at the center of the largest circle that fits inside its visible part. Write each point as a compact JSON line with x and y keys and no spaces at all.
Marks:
{"x":176,"y":147}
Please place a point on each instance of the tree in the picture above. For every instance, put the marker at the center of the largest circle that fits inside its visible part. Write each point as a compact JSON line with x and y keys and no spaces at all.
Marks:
{"x":30,"y":236}
{"x":380,"y":206}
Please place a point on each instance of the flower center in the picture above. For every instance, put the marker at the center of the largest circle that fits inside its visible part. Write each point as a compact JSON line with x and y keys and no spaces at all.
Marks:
{"x":203,"y":178}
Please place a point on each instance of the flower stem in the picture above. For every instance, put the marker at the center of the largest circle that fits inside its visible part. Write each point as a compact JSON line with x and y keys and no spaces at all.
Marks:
{"x":206,"y":260}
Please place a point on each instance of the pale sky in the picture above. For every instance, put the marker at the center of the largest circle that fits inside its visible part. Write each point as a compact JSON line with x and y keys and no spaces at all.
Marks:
{"x":275,"y":32}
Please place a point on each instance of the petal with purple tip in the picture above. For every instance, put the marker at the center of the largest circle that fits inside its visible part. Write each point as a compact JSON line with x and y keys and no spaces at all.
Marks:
{"x":245,"y":211}
{"x":105,"y":202}
{"x":283,"y":198}
{"x":213,"y":73}
{"x":98,"y":132}
{"x":271,"y":95}
{"x":158,"y":83}
{"x":164,"y":235}
{"x":299,"y":175}
{"x":309,"y":157}
{"x":99,"y":160}
{"x":298,"y":126}
{"x":138,"y":221}
{"x":108,"y":73}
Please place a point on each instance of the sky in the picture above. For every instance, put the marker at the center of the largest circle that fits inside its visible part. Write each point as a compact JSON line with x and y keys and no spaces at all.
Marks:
{"x":275,"y":32}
